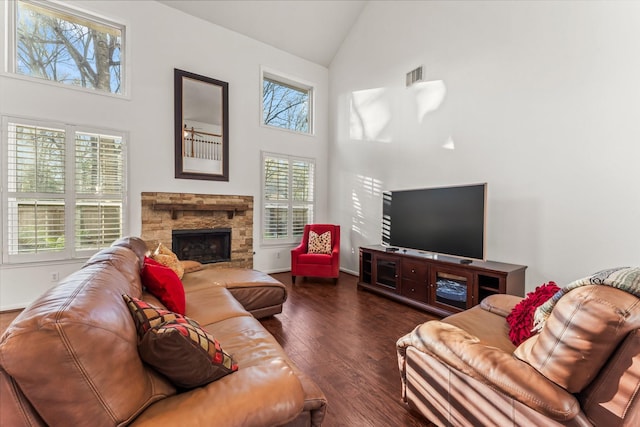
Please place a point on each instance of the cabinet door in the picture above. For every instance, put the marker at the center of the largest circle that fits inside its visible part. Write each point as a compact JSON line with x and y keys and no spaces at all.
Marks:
{"x":451,"y":289}
{"x":415,"y":279}
{"x":385,"y":271}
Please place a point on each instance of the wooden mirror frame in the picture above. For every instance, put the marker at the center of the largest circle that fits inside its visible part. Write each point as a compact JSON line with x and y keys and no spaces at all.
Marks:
{"x":221,"y":141}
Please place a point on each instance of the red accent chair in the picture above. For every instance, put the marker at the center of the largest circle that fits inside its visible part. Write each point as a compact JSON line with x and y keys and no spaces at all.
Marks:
{"x":316,"y":265}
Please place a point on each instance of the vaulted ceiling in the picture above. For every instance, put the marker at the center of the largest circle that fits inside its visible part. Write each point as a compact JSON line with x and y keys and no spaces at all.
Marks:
{"x":310,"y":29}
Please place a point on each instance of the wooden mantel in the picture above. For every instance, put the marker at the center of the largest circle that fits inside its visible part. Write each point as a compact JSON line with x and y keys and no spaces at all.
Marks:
{"x":174,"y":208}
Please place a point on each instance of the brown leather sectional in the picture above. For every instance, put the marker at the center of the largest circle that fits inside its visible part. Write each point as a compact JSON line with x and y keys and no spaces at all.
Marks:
{"x":582,"y":369}
{"x":71,"y":357}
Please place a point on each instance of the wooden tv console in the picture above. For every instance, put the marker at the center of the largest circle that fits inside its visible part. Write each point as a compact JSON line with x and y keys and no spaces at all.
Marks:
{"x":435,"y":283}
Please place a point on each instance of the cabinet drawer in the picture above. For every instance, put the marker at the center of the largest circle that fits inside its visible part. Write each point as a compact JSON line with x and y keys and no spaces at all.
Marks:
{"x":414,"y":270}
{"x":414,"y":290}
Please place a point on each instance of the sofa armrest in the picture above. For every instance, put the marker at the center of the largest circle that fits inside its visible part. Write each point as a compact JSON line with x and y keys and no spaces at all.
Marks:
{"x":492,"y":366}
{"x":500,"y":304}
{"x":299,"y":250}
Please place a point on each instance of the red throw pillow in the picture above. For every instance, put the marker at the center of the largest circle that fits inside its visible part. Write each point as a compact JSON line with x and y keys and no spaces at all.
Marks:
{"x":520,"y":319}
{"x":164,"y":284}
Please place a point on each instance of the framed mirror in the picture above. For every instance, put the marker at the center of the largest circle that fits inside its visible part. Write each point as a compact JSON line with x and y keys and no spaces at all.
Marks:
{"x":201,"y":127}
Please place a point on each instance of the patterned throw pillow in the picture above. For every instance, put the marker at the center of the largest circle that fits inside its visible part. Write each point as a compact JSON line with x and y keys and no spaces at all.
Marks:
{"x":179,"y":348}
{"x":147,"y":316}
{"x":319,"y":244}
{"x":164,"y":256}
{"x":164,"y":284}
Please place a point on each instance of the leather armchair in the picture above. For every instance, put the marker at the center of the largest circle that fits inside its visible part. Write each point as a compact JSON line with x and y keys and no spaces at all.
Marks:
{"x":316,"y":265}
{"x":582,"y":369}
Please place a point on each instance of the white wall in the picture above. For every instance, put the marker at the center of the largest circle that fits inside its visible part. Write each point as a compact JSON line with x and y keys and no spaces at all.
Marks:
{"x":539,"y":99}
{"x":160,"y":39}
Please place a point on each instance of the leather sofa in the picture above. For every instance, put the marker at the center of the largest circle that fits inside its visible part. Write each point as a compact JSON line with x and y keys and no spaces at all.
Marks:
{"x":71,"y":357}
{"x":582,"y":369}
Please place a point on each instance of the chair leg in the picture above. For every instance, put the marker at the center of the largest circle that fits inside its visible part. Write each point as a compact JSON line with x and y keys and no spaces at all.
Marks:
{"x":293,"y":280}
{"x":335,"y":281}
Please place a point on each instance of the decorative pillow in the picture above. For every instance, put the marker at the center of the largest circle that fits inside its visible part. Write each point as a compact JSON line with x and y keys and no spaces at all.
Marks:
{"x":164,"y":284}
{"x":146,"y":316}
{"x":164,"y":256}
{"x":520,"y":319}
{"x":191,"y":266}
{"x":319,"y":244}
{"x":177,"y":346}
{"x":185,"y":353}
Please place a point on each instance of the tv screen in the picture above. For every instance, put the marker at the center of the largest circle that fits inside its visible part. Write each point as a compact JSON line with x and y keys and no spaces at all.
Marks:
{"x":445,"y":220}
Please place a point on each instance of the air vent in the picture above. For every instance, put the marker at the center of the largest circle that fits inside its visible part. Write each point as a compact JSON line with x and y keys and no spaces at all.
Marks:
{"x":414,"y":76}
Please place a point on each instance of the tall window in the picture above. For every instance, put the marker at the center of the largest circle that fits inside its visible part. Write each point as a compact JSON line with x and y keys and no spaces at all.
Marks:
{"x":287,"y":104}
{"x":65,"y":190}
{"x":53,"y":42}
{"x":287,"y":197}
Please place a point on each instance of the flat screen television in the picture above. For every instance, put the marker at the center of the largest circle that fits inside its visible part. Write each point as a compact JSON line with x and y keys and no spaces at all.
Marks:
{"x":444,"y":220}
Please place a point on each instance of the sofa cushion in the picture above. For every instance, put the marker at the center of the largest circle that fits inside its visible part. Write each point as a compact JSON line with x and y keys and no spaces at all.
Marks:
{"x":213,"y":304}
{"x":319,"y":243}
{"x":163,"y":282}
{"x":520,"y":319}
{"x":317,"y":259}
{"x":257,"y":292}
{"x":489,"y":327}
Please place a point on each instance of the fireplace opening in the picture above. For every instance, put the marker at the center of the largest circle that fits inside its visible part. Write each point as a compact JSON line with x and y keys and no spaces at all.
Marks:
{"x":205,"y":245}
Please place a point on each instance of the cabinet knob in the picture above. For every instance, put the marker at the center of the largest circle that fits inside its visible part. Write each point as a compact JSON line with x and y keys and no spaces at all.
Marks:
{"x":413,"y":290}
{"x":413,"y":270}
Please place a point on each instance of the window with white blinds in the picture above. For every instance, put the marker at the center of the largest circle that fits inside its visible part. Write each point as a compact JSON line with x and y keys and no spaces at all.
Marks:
{"x":65,"y":190}
{"x":288,"y":197}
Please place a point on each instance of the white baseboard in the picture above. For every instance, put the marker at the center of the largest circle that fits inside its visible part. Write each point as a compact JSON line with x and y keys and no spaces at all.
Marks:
{"x":351,"y":272}
{"x":276,"y":270}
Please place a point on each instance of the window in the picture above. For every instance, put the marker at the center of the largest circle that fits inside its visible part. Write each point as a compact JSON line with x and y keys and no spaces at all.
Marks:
{"x":287,"y":197}
{"x":65,"y":190}
{"x":286,"y":104}
{"x":56,"y":43}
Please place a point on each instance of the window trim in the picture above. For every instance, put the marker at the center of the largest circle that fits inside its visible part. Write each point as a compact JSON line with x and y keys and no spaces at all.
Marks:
{"x":291,"y":240}
{"x":70,"y":253}
{"x":294,"y":83}
{"x":10,"y":46}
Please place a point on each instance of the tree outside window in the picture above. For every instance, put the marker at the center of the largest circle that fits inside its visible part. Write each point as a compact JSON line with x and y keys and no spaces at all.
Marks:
{"x":286,"y":105}
{"x":54,"y":43}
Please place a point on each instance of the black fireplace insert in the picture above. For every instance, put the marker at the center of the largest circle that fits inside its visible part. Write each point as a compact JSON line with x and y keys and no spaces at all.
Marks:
{"x":204,"y":245}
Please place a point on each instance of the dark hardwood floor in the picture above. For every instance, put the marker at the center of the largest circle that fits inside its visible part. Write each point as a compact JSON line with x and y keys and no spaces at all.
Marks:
{"x":345,"y":340}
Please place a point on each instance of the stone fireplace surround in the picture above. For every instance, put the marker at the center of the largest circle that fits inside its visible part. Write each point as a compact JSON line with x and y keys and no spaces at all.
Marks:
{"x":163,"y":212}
